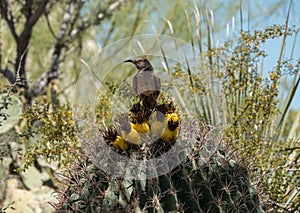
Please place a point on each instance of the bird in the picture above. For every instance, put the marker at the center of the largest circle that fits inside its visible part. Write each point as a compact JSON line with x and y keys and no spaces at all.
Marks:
{"x":171,"y":131}
{"x":140,"y":122}
{"x":126,"y":130}
{"x":166,"y":108}
{"x":111,"y":136}
{"x":145,"y":83}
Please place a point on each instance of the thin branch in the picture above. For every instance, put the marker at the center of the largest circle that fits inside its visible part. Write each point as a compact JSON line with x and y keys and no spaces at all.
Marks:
{"x":76,"y":16}
{"x":66,"y":20}
{"x":4,"y":103}
{"x":49,"y":25}
{"x":109,"y":33}
{"x":290,"y":149}
{"x":9,"y":75}
{"x":19,"y":69}
{"x":102,"y":15}
{"x":8,"y":16}
{"x":34,"y":17}
{"x":137,"y":19}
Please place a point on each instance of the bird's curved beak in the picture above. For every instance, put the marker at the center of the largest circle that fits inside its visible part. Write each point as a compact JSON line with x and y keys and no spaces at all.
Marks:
{"x":129,"y":60}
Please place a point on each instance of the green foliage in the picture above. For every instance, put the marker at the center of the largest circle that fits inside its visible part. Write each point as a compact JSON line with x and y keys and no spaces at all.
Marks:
{"x":50,"y":134}
{"x":103,"y":111}
{"x":5,"y":102}
{"x":252,"y":108}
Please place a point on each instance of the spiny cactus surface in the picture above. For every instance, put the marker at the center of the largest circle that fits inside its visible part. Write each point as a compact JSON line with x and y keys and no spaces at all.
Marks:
{"x":214,"y":184}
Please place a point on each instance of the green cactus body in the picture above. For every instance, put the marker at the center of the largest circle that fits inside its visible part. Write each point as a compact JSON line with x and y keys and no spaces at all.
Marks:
{"x":216,"y":184}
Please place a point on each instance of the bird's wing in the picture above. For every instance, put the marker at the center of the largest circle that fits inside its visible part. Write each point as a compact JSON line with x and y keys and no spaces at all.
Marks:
{"x":142,"y":82}
{"x":135,"y":83}
{"x":146,"y":81}
{"x":157,"y":82}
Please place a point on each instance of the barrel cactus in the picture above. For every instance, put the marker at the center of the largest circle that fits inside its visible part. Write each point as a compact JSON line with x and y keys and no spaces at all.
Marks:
{"x":192,"y":178}
{"x":220,"y":185}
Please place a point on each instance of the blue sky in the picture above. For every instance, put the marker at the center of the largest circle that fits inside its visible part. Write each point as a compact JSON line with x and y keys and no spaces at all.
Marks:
{"x":266,"y":17}
{"x":273,"y":46}
{"x":262,"y":14}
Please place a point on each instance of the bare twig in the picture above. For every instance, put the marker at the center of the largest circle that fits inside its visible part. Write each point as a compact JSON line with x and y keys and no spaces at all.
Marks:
{"x":8,"y":17}
{"x":5,"y":100}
